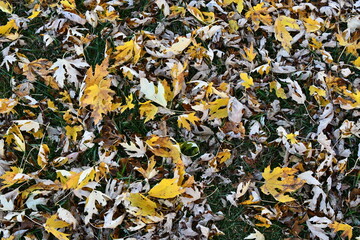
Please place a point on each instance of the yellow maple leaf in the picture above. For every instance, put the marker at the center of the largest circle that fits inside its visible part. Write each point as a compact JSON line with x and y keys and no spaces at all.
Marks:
{"x":6,"y":7}
{"x":279,"y":91}
{"x":128,"y":104}
{"x":356,"y":62}
{"x":204,"y":17}
{"x":336,"y":226}
{"x":239,"y":4}
{"x":129,"y":50}
{"x":234,"y":26}
{"x":287,"y":183}
{"x":247,"y":80}
{"x":249,"y":53}
{"x":311,"y":25}
{"x":281,"y":34}
{"x":167,"y":188}
{"x":178,"y":74}
{"x":164,"y":147}
{"x":185,"y":120}
{"x":315,"y":90}
{"x":14,"y":176}
{"x":97,"y":93}
{"x":145,"y":205}
{"x":264,"y":221}
{"x":42,"y":158}
{"x":71,"y":132}
{"x":5,"y":29}
{"x":218,"y":108}
{"x":291,"y":137}
{"x":14,"y":134}
{"x":35,"y":12}
{"x":148,"y":110}
{"x":351,"y":45}
{"x":53,"y":223}
{"x":223,"y":156}
{"x":258,"y":14}
{"x":7,"y":105}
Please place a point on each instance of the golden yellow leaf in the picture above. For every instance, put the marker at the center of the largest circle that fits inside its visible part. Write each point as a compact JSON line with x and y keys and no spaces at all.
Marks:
{"x":7,"y":105}
{"x":185,"y":120}
{"x":42,"y":158}
{"x":218,"y":108}
{"x":164,"y":147}
{"x":148,"y":110}
{"x":249,"y":53}
{"x":180,"y":45}
{"x":14,"y":176}
{"x":5,"y":29}
{"x":128,"y":104}
{"x":258,"y":14}
{"x":281,"y":34}
{"x":315,"y":90}
{"x":97,"y":93}
{"x":6,"y":7}
{"x":167,"y":188}
{"x":292,"y":137}
{"x":336,"y":226}
{"x":311,"y":25}
{"x":51,"y":105}
{"x":274,"y":85}
{"x":234,"y":26}
{"x":247,"y":80}
{"x":53,"y":223}
{"x":239,"y":4}
{"x":264,"y":221}
{"x":71,"y":132}
{"x":14,"y":134}
{"x":287,"y":183}
{"x":204,"y":17}
{"x":223,"y":156}
{"x":68,"y":4}
{"x":356,"y":62}
{"x":176,"y":10}
{"x":178,"y":74}
{"x":129,"y":50}
{"x":145,"y":205}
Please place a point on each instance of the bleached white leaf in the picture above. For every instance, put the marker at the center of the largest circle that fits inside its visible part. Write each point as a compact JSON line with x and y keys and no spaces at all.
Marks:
{"x":257,"y":236}
{"x":6,"y":204}
{"x":32,"y":202}
{"x":307,"y":176}
{"x":74,"y":17}
{"x":136,"y":149}
{"x":235,"y":110}
{"x":162,"y":4}
{"x":27,"y":125}
{"x":66,"y":69}
{"x":152,"y":93}
{"x":8,"y":60}
{"x":326,"y":117}
{"x":316,"y":226}
{"x":241,"y":189}
{"x":109,"y":222}
{"x":90,"y":207}
{"x":66,"y":216}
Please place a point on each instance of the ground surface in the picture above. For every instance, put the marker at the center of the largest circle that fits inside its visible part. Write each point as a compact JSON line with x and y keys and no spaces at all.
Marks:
{"x":225,"y":119}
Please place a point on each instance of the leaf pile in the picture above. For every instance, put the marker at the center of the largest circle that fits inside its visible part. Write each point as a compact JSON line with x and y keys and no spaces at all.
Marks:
{"x":118,"y":118}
